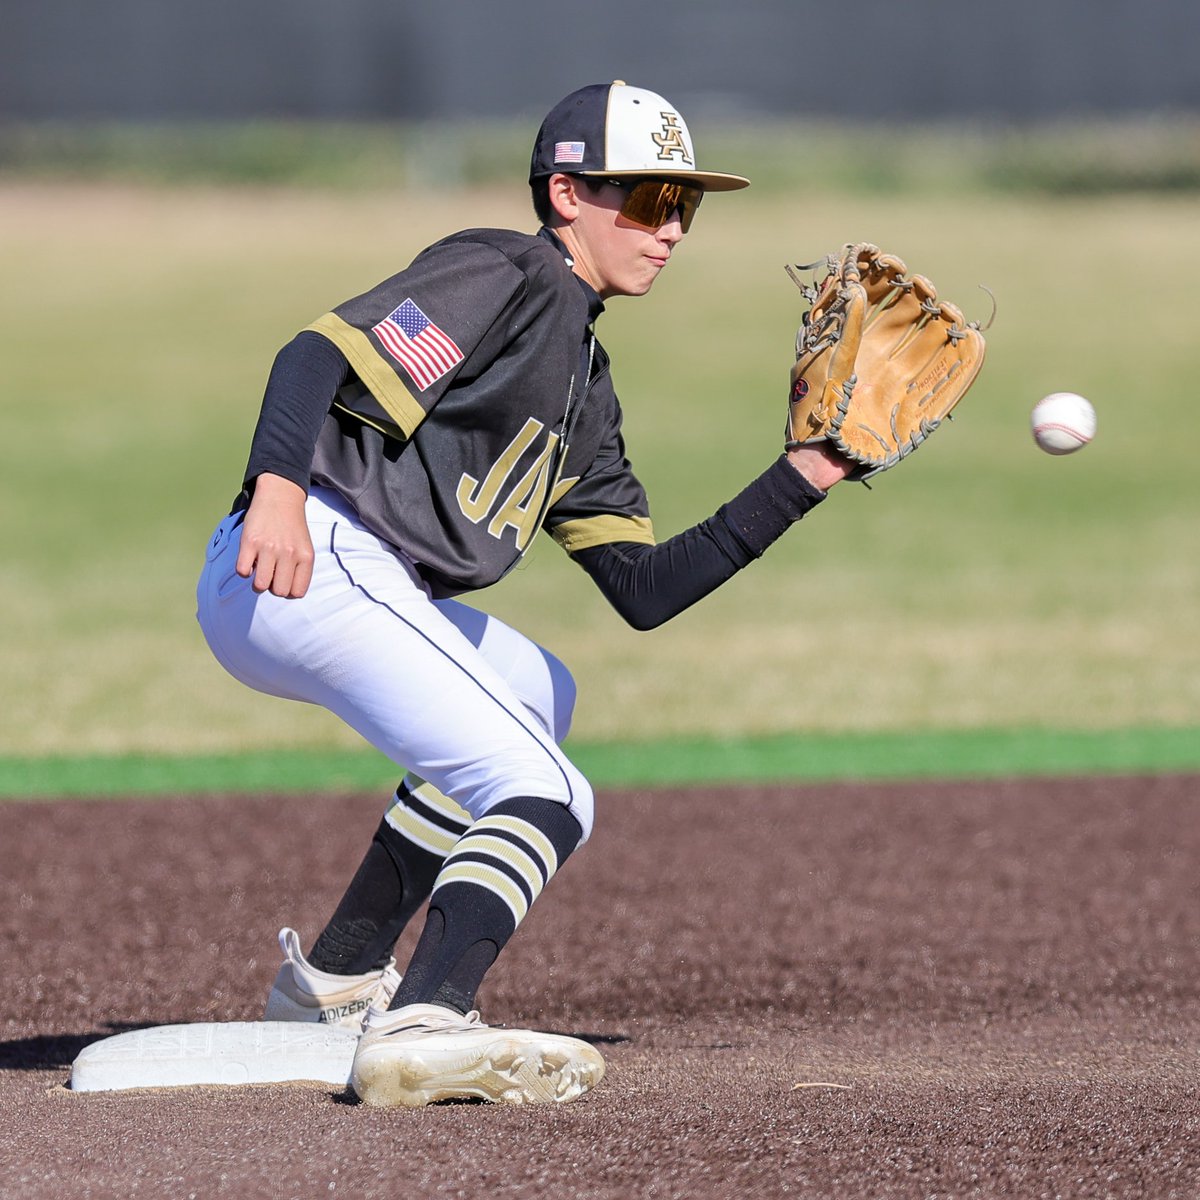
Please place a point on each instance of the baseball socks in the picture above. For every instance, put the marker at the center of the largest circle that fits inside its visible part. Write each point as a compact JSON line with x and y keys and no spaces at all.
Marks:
{"x":394,"y":879}
{"x":429,"y":1045}
{"x":483,"y":890}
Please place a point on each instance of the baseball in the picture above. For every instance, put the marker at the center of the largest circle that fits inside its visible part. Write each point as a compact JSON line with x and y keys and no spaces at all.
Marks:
{"x":1063,"y":422}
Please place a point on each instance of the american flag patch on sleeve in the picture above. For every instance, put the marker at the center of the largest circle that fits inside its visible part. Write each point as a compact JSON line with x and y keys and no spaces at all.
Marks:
{"x":417,"y":344}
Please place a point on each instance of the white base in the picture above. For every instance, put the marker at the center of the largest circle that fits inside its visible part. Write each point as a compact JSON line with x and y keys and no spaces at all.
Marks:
{"x":235,"y":1052}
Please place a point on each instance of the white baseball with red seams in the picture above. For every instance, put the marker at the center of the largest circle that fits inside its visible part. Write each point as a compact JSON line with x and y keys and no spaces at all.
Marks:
{"x":1063,"y":422}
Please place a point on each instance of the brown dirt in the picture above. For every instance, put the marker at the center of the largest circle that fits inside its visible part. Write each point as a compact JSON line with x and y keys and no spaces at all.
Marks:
{"x":945,"y":990}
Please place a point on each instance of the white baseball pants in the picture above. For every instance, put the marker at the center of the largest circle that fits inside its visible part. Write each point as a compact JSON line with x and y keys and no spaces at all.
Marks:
{"x":454,"y":695}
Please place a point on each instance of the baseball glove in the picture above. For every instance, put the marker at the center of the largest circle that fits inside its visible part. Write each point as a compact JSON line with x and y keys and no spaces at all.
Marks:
{"x":880,"y":360}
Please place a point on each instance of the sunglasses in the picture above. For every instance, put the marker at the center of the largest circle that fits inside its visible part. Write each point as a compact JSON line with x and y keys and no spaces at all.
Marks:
{"x":652,"y":202}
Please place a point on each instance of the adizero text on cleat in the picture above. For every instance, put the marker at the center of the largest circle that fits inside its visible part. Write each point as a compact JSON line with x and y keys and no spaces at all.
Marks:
{"x":302,"y":993}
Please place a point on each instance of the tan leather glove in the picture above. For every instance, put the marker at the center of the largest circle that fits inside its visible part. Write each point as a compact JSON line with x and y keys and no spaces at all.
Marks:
{"x":880,"y":360}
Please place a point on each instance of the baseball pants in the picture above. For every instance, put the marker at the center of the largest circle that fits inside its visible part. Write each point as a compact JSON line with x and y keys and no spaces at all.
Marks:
{"x":450,"y":693}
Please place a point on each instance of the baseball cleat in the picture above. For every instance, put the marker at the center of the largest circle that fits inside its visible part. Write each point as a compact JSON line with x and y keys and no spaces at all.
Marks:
{"x":302,"y":993}
{"x":424,"y":1053}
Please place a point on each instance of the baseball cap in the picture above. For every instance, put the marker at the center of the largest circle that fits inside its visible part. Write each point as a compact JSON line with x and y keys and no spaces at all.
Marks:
{"x":613,"y":129}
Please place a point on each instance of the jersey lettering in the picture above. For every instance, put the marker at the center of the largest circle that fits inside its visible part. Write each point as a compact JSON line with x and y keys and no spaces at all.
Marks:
{"x":475,"y":500}
{"x":523,"y":505}
{"x":524,"y":502}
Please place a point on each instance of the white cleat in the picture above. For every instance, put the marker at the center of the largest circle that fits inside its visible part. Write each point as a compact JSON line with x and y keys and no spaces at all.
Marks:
{"x":424,"y":1053}
{"x":302,"y":993}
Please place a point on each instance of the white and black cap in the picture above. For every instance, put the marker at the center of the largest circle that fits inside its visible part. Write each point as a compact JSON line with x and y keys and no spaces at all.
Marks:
{"x":614,"y":129}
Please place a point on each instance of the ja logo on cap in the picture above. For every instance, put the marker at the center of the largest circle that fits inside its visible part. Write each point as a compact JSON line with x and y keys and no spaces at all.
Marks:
{"x":670,"y":141}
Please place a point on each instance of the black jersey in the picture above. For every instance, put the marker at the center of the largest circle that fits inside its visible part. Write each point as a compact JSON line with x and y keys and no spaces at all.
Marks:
{"x":480,"y":409}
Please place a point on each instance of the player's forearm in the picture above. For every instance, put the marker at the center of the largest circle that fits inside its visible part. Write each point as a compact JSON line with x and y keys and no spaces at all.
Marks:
{"x":649,"y":585}
{"x":304,"y":379}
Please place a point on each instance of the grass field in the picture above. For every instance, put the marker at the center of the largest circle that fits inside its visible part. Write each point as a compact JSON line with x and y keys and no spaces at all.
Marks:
{"x":983,"y":586}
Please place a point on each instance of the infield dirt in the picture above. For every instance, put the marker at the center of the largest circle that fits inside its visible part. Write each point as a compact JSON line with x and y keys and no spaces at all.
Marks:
{"x":934,"y":990}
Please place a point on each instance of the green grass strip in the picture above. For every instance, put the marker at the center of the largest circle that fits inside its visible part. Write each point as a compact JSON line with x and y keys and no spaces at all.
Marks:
{"x":803,"y":758}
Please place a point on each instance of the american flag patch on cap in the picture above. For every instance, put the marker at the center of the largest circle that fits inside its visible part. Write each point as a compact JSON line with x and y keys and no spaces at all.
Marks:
{"x":568,"y":152}
{"x":417,"y":344}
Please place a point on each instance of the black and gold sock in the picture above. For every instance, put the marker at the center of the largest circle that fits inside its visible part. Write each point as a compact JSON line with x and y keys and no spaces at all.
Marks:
{"x":394,"y":879}
{"x":482,"y":892}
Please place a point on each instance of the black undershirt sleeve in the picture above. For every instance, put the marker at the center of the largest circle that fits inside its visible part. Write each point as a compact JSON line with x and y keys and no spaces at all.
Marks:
{"x":648,"y":585}
{"x":303,"y":382}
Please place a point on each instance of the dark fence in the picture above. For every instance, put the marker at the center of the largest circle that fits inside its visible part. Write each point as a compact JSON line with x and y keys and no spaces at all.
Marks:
{"x":1010,"y":60}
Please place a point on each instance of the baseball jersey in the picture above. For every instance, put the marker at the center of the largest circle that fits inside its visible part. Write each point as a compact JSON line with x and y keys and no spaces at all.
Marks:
{"x":479,"y":409}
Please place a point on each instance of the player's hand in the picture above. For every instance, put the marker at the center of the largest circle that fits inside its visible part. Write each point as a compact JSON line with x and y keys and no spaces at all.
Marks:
{"x":276,"y":546}
{"x":820,"y":464}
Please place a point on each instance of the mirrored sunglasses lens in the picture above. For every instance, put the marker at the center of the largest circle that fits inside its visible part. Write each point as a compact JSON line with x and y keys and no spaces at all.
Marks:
{"x":689,"y":202}
{"x":652,"y":204}
{"x":642,"y":203}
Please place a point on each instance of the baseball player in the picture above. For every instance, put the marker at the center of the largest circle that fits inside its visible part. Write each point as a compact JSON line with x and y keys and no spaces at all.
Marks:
{"x":411,"y":443}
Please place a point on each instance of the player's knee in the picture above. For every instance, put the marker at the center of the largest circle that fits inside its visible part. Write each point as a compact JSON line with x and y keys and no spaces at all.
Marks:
{"x":574,"y":792}
{"x":583,"y":807}
{"x":578,"y":800}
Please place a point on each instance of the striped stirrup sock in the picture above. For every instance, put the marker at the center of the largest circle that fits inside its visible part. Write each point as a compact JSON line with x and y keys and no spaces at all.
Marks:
{"x":419,"y":814}
{"x":486,"y":884}
{"x":394,"y":879}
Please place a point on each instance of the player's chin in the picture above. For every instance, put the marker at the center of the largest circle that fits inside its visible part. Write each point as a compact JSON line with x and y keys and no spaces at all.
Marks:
{"x":645,"y":278}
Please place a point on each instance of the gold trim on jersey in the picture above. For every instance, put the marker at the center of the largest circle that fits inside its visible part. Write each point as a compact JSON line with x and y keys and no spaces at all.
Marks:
{"x":587,"y":532}
{"x":384,"y":427}
{"x":380,"y":380}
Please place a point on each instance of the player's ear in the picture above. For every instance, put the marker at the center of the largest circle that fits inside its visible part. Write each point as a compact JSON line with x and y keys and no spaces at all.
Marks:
{"x":564,"y":197}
